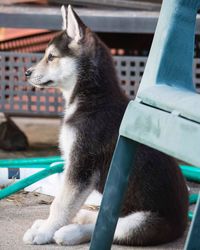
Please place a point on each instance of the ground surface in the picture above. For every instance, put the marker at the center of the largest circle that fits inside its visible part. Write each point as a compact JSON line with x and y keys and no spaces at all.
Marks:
{"x":18,"y":212}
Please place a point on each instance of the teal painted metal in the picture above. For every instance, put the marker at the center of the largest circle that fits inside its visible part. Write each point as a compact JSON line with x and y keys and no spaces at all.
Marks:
{"x":193,"y":239}
{"x":27,"y":166}
{"x":29,"y":162}
{"x":171,"y":56}
{"x":190,"y":215}
{"x":173,"y":100}
{"x":115,"y":188}
{"x":191,"y":173}
{"x":193,"y":198}
{"x":167,"y":80}
{"x":54,"y":168}
{"x":164,"y":131}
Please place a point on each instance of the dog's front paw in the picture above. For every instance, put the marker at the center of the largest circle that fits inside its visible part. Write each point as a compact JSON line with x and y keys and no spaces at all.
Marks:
{"x":38,"y":234}
{"x":69,"y":235}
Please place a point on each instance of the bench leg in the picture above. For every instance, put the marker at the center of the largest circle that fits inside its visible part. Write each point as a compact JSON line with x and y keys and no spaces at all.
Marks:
{"x":193,"y":237}
{"x":120,"y":169}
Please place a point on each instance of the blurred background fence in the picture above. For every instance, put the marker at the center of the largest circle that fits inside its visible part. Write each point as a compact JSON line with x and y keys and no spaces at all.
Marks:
{"x":20,"y":50}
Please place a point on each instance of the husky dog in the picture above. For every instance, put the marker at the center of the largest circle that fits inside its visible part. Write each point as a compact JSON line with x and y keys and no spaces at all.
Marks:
{"x":156,"y":203}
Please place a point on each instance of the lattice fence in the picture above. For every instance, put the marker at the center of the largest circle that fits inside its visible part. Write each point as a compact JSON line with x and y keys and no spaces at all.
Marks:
{"x":20,"y":98}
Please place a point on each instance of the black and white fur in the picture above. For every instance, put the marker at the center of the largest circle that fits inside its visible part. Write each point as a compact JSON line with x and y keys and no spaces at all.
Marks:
{"x":156,"y":202}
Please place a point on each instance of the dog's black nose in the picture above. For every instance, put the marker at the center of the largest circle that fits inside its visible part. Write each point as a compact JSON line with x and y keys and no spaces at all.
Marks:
{"x":28,"y":73}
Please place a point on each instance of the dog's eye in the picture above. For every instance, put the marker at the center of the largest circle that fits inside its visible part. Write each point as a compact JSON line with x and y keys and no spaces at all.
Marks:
{"x":50,"y":57}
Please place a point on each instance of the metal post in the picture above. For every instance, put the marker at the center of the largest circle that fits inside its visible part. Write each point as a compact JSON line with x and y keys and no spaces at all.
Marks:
{"x":116,"y":184}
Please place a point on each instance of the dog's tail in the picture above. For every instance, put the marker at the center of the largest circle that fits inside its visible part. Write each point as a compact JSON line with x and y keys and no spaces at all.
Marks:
{"x":147,"y":228}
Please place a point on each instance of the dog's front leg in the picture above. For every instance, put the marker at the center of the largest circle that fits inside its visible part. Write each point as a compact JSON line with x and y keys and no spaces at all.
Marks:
{"x":63,"y":209}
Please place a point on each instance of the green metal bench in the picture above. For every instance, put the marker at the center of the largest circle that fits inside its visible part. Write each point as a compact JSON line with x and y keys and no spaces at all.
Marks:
{"x":50,"y":165}
{"x":165,"y":115}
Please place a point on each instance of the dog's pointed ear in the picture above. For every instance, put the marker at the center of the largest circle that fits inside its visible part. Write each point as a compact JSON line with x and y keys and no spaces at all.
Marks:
{"x":64,"y":17}
{"x":75,"y":27}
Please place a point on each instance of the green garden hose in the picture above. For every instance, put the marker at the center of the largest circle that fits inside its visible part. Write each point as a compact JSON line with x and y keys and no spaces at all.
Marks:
{"x":191,"y":173}
{"x":193,"y":198}
{"x":190,"y":215}
{"x":35,"y":162}
{"x":54,"y":168}
{"x":57,"y":163}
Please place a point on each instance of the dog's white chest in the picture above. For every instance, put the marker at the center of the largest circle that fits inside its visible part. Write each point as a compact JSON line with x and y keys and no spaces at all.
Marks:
{"x":66,"y":141}
{"x":67,"y":135}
